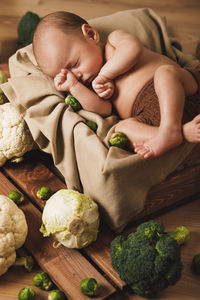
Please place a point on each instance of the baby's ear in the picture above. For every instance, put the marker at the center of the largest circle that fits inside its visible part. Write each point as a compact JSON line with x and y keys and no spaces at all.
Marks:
{"x":90,"y":33}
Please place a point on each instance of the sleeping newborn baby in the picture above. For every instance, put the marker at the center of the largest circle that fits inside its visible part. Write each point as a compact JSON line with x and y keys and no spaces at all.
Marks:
{"x":149,"y":91}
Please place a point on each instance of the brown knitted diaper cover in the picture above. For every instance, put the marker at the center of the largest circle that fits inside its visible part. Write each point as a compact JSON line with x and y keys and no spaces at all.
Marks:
{"x":146,"y":107}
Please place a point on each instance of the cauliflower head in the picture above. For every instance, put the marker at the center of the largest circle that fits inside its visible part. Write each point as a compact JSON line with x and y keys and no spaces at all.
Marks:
{"x":13,"y":232}
{"x":15,"y":137}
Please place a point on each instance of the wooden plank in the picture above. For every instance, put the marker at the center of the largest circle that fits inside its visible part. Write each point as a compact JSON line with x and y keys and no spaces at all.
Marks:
{"x":174,"y":189}
{"x":30,"y":176}
{"x":66,"y":267}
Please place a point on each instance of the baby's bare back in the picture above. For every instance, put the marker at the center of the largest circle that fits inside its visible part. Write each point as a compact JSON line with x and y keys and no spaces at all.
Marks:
{"x":131,"y":83}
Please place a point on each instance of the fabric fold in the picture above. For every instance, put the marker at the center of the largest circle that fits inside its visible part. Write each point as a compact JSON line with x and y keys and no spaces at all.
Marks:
{"x":116,"y":179}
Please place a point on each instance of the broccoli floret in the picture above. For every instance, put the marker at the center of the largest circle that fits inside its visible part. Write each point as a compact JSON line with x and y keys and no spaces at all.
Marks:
{"x":149,"y":259}
{"x":24,"y":259}
{"x":118,"y":139}
{"x":180,"y":234}
{"x":26,"y":27}
{"x":43,"y":281}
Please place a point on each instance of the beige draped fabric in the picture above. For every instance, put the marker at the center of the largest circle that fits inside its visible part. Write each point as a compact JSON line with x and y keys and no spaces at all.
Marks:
{"x":116,"y":179}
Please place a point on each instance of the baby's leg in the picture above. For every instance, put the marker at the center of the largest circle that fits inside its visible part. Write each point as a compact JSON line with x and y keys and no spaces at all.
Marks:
{"x":139,"y":133}
{"x":171,"y":84}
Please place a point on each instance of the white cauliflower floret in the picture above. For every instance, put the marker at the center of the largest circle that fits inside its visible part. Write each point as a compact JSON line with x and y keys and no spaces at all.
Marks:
{"x":15,"y":137}
{"x":13,"y":232}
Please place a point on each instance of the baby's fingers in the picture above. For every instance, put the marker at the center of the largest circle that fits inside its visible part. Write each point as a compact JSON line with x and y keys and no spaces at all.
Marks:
{"x":106,"y":94}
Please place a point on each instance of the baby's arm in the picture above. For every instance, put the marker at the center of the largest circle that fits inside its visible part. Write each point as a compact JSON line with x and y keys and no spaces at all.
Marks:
{"x":127,"y":51}
{"x":66,"y":81}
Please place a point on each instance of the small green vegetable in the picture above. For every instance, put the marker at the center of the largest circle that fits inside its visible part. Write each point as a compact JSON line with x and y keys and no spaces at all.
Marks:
{"x":24,"y":259}
{"x":181,"y":234}
{"x":73,"y":102}
{"x":26,"y":293}
{"x":16,"y":196}
{"x":196,"y":263}
{"x":149,"y":260}
{"x":26,"y":27}
{"x":2,"y":77}
{"x":56,"y":295}
{"x":44,"y":193}
{"x":43,"y":281}
{"x":89,"y":287}
{"x":118,"y":139}
{"x":92,"y":125}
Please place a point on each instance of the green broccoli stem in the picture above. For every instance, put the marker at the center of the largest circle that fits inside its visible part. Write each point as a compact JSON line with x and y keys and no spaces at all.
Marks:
{"x":181,"y":234}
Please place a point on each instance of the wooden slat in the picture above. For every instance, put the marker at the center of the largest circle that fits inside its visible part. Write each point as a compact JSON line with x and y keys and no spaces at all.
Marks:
{"x":66,"y":267}
{"x":172,"y":190}
{"x":30,"y":176}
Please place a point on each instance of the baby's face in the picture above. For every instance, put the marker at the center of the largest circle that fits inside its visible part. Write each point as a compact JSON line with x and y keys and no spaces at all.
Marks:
{"x":81,"y":55}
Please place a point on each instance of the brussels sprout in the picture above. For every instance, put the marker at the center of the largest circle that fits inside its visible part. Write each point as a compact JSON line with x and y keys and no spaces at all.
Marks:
{"x":2,"y":77}
{"x":118,"y":139}
{"x":92,"y":125}
{"x":26,"y":293}
{"x":56,"y":295}
{"x":44,"y":193}
{"x":89,"y":287}
{"x":16,"y":196}
{"x":73,"y":102}
{"x":196,"y":263}
{"x":43,"y":281}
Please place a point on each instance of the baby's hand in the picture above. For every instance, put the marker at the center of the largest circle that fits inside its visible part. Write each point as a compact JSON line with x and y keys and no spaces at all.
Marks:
{"x":64,"y":80}
{"x":103,"y":86}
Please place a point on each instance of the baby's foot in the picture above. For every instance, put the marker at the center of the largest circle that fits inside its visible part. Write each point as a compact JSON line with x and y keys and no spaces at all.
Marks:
{"x":163,"y":141}
{"x":191,"y":130}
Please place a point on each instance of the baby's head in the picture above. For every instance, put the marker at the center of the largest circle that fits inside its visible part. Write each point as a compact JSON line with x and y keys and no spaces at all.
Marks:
{"x":65,"y":40}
